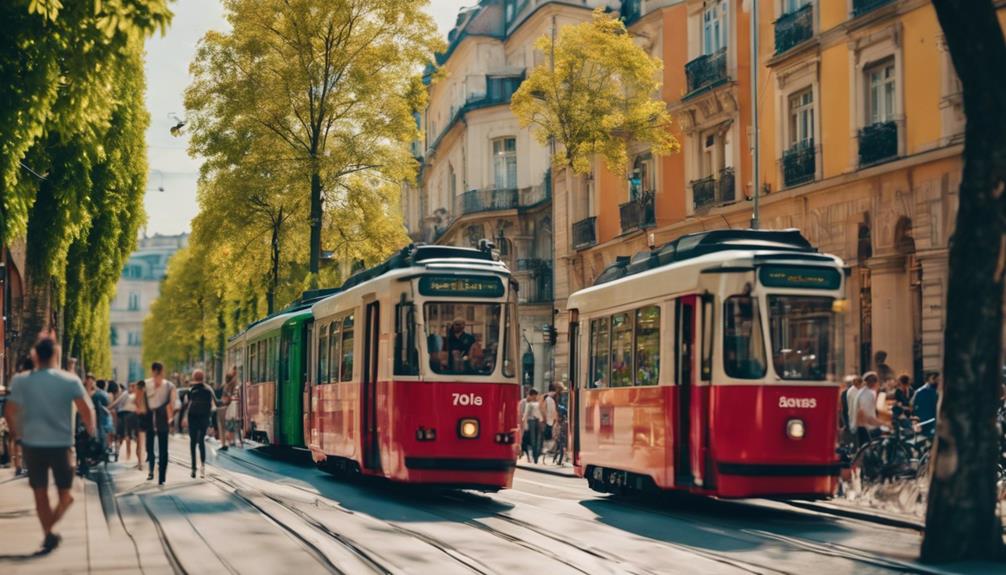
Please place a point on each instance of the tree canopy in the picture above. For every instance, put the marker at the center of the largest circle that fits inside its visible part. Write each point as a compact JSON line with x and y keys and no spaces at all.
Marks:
{"x":596,"y":92}
{"x":73,"y":162}
{"x":303,"y":113}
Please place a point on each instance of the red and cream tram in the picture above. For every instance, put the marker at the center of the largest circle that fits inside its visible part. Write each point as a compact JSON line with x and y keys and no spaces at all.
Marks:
{"x":708,"y":366}
{"x":413,"y":376}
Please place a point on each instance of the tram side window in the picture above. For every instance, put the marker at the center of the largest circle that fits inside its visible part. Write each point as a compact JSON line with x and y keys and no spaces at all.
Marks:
{"x":743,"y":345}
{"x":347,"y":348}
{"x":508,"y":361}
{"x":252,"y":365}
{"x":334,"y":338}
{"x":323,"y":354}
{"x":598,"y":376}
{"x":648,"y":345}
{"x":621,"y":350}
{"x":406,"y":356}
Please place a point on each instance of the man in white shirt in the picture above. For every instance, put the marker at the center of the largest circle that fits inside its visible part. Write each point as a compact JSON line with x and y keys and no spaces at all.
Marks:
{"x":850,"y":401}
{"x":867,"y":423}
{"x":161,"y":400}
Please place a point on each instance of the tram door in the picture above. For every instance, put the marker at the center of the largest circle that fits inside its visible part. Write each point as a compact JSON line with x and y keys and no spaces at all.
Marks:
{"x":573,"y":409}
{"x":371,"y":332}
{"x":684,"y":320}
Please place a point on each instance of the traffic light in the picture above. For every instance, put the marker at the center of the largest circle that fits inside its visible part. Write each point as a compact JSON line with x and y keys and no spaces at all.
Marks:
{"x":551,"y":335}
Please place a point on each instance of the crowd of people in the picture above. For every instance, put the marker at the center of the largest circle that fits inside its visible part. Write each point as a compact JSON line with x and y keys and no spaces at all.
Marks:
{"x":878,"y":400}
{"x":543,"y":423}
{"x":55,"y":423}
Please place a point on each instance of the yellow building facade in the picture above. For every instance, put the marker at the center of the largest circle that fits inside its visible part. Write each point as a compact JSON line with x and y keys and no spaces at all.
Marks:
{"x":860,"y":140}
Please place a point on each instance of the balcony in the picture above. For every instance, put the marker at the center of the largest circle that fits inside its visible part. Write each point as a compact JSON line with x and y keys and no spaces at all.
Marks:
{"x":712,"y":191}
{"x":799,"y":164}
{"x":878,"y":143}
{"x":794,"y":28}
{"x":536,"y":285}
{"x":585,"y":233}
{"x":860,"y":7}
{"x":489,"y":200}
{"x":706,"y":71}
{"x":638,"y":213}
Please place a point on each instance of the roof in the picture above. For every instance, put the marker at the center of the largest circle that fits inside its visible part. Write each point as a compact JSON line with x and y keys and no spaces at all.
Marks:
{"x":699,"y":244}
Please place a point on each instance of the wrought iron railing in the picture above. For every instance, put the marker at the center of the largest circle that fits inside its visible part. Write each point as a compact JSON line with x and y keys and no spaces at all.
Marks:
{"x":711,"y":191}
{"x":536,"y":287}
{"x":638,"y":213}
{"x":704,"y":192}
{"x":485,"y":201}
{"x":860,"y":7}
{"x":799,"y":164}
{"x":793,"y":28}
{"x":707,"y":70}
{"x":878,"y":143}
{"x":585,"y":233}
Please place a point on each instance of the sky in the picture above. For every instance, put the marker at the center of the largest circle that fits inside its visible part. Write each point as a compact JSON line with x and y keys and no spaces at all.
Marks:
{"x":171,"y":184}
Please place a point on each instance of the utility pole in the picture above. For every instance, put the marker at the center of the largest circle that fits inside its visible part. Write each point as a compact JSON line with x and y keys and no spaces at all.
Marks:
{"x":755,"y":140}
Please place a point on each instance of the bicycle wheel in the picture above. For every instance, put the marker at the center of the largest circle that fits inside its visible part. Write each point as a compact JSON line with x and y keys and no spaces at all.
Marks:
{"x":883,"y":459}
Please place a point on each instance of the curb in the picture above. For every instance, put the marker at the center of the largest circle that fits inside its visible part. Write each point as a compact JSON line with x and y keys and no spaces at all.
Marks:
{"x":872,"y":517}
{"x":558,"y":472}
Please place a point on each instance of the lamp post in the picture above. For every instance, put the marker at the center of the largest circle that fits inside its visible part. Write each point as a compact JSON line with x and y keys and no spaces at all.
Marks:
{"x":755,"y":144}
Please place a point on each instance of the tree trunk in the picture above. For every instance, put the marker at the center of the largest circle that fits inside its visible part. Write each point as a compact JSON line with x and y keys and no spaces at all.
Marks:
{"x":961,"y":517}
{"x":277,"y":224}
{"x":316,"y":215}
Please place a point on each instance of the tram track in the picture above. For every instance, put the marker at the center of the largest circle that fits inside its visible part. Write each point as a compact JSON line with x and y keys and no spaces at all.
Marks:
{"x":467,"y":497}
{"x":247,"y":496}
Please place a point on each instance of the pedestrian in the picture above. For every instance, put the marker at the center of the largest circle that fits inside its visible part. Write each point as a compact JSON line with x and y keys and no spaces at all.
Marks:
{"x":867,"y":424}
{"x":884,"y":371}
{"x":14,"y":444}
{"x":233,"y":393}
{"x":550,"y":415}
{"x":40,"y":412}
{"x":100,"y":400}
{"x":224,"y":401}
{"x":143,"y":421}
{"x":903,"y":395}
{"x":531,"y":420}
{"x":196,"y":412}
{"x":925,"y":401}
{"x":851,"y":395}
{"x":125,"y":409}
{"x":161,"y":398}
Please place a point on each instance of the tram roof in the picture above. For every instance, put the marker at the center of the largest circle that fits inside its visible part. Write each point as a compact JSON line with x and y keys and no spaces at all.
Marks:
{"x":685,"y":258}
{"x":300,"y":306}
{"x":691,"y":246}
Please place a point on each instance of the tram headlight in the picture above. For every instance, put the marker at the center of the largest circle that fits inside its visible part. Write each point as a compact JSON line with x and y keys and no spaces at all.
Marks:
{"x":468,"y":428}
{"x":795,"y":429}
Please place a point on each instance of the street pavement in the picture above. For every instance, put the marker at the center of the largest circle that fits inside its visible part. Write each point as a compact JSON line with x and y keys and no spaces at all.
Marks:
{"x":260,"y":514}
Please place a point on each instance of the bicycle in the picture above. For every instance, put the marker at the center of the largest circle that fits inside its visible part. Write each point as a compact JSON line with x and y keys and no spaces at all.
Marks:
{"x":891,"y":456}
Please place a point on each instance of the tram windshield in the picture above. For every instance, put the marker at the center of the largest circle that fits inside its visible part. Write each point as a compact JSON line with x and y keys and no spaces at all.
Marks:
{"x":801,"y":333}
{"x":463,"y":338}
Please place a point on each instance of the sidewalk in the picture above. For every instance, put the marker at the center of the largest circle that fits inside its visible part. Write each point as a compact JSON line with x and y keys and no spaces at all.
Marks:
{"x":565,"y":470}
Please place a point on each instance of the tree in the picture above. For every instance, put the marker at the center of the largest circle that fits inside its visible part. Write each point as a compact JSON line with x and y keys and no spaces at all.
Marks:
{"x":326,"y":88}
{"x":961,"y":517}
{"x":597,"y":92}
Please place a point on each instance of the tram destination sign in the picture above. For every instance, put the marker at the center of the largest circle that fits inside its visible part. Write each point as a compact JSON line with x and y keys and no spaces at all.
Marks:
{"x":461,"y":286}
{"x":800,"y":277}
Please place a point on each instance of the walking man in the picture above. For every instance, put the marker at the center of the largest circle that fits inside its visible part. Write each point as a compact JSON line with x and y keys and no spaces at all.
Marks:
{"x":161,"y":403}
{"x":40,"y":412}
{"x":197,"y":409}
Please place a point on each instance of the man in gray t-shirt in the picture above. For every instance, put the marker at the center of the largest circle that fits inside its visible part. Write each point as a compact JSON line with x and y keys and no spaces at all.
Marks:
{"x":40,"y":411}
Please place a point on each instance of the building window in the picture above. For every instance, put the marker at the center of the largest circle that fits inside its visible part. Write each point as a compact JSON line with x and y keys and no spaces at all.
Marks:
{"x":714,"y":27}
{"x":113,"y":336}
{"x":133,"y":339}
{"x":134,"y":301}
{"x":642,"y":180}
{"x":880,"y":92}
{"x":801,"y":117}
{"x":790,"y":6}
{"x":505,"y":163}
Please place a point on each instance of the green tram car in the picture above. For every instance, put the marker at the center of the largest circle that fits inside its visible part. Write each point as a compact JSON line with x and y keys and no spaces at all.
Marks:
{"x":270,"y":358}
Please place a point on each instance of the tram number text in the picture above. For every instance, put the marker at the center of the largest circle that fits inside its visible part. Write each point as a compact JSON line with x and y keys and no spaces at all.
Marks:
{"x":798,"y":402}
{"x":466,"y":399}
